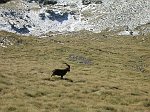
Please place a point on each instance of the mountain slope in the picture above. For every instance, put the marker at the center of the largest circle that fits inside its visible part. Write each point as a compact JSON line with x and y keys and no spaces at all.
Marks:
{"x":66,"y":16}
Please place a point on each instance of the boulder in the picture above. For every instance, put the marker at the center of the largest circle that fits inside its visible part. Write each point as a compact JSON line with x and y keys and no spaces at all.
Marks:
{"x":98,"y":1}
{"x":86,"y":2}
{"x":52,"y":2}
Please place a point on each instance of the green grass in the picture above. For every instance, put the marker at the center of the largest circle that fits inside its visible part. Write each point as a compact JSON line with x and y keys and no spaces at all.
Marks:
{"x":117,"y":79}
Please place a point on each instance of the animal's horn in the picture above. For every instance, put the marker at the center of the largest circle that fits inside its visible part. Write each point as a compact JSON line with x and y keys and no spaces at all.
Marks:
{"x":67,"y":65}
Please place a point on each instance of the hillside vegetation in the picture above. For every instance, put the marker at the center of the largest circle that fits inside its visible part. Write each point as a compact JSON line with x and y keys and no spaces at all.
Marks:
{"x":108,"y":73}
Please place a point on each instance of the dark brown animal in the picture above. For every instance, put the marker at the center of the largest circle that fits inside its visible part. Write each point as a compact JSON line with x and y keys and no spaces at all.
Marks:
{"x":61,"y":72}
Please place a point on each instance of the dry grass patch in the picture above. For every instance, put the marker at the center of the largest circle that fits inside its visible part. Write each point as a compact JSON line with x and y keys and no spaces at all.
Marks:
{"x":116,"y":79}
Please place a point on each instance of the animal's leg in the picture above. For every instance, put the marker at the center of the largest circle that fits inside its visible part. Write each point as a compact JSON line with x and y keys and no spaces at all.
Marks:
{"x":52,"y":75}
{"x":61,"y":76}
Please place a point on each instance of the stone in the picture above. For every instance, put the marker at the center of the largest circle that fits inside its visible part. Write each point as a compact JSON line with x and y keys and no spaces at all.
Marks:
{"x":52,"y":2}
{"x":86,"y":2}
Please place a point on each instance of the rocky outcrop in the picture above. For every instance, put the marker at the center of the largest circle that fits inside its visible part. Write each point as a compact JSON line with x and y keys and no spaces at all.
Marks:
{"x":28,"y":18}
{"x":44,"y":2}
{"x":53,"y":2}
{"x":9,"y":40}
{"x":86,"y":2}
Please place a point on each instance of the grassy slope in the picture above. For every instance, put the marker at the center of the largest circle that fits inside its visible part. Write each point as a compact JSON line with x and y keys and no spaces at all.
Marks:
{"x":117,"y":80}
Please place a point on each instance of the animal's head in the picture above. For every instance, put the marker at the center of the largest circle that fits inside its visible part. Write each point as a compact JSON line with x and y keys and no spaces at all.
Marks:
{"x":68,"y":67}
{"x":69,"y":70}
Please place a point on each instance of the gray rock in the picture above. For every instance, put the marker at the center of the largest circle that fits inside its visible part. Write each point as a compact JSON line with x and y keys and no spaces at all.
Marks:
{"x":45,"y":2}
{"x":86,"y":2}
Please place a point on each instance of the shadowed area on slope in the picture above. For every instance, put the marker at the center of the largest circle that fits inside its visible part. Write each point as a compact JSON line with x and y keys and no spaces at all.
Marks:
{"x":60,"y":17}
{"x":4,"y":1}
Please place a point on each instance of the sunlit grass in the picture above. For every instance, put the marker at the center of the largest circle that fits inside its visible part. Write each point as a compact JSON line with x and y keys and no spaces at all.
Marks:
{"x":116,"y":79}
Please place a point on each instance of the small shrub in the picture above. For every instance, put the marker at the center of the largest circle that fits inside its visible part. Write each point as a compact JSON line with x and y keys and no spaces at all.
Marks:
{"x":147,"y":104}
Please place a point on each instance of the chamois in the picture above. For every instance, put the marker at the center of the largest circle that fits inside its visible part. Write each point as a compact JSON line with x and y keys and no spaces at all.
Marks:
{"x":61,"y":72}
